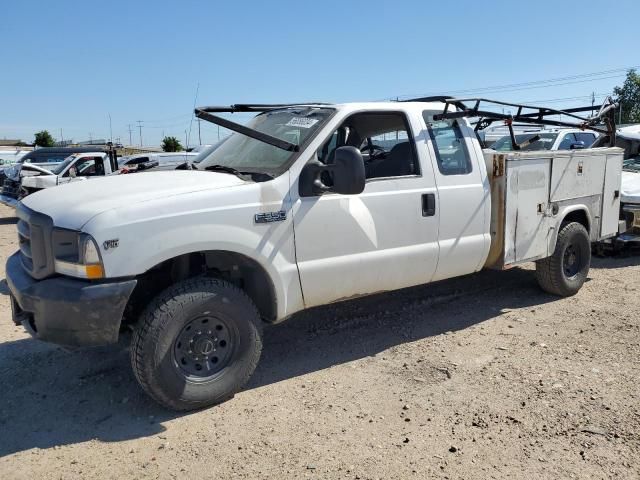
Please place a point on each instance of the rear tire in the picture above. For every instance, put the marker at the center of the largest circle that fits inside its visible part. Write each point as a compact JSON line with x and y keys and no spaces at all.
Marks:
{"x":197,"y":344}
{"x":564,"y":272}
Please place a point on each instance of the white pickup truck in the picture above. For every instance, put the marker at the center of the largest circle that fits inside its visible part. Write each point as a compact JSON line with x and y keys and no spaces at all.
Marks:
{"x":304,"y":206}
{"x":25,"y":179}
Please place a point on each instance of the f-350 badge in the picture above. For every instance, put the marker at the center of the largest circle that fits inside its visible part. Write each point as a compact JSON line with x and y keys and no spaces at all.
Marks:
{"x":269,"y":217}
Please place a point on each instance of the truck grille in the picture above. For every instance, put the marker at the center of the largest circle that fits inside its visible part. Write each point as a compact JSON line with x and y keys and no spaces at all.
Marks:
{"x":24,"y":241}
{"x":34,"y":239}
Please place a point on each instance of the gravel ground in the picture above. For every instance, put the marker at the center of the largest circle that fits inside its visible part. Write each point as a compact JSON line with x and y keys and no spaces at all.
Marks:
{"x":479,"y":377}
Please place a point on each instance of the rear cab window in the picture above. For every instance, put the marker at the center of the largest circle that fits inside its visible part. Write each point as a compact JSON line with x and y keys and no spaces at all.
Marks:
{"x":452,"y":153}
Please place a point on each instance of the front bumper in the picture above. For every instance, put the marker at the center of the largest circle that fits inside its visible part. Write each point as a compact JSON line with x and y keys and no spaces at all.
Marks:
{"x":67,"y":311}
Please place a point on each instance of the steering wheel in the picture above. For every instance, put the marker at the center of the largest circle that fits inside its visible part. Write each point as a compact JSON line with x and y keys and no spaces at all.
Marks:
{"x":375,"y":151}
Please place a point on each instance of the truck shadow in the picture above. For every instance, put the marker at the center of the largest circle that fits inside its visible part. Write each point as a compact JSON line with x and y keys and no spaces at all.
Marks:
{"x":626,"y":259}
{"x":53,"y":397}
{"x":8,"y":220}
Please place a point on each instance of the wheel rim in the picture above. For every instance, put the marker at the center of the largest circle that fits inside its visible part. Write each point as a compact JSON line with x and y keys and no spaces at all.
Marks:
{"x":572,"y":261}
{"x":204,"y":347}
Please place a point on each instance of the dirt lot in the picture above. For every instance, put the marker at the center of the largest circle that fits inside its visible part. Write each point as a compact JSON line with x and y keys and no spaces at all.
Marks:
{"x":479,"y":377}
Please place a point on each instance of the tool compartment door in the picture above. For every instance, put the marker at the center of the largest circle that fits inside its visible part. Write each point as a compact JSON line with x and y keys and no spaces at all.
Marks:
{"x":576,"y":174}
{"x":526,"y":226}
{"x":611,"y":195}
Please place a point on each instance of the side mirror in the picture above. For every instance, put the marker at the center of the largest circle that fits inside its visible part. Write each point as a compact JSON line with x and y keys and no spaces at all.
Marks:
{"x":347,"y":172}
{"x":577,"y":146}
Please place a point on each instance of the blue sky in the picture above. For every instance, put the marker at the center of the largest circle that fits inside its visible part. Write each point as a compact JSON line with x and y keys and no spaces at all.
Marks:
{"x":70,"y":64}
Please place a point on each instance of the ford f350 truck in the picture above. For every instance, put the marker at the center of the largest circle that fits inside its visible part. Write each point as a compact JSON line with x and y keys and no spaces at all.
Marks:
{"x":306,"y":205}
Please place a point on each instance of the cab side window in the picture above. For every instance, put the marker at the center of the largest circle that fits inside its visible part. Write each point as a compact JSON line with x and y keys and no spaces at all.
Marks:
{"x":89,"y":167}
{"x":385,"y":140}
{"x":450,"y":147}
{"x":568,"y":140}
{"x":587,"y":138}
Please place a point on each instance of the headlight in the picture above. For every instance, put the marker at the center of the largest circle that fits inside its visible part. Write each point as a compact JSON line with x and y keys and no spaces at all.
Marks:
{"x":12,"y":172}
{"x":76,"y":254}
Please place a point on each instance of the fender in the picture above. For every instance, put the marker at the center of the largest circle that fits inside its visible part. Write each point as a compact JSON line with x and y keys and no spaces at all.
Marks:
{"x":144,"y":244}
{"x":563,"y":213}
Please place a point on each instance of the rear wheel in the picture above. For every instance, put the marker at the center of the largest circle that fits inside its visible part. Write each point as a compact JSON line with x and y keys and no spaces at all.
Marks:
{"x":564,"y":272}
{"x":198,"y":343}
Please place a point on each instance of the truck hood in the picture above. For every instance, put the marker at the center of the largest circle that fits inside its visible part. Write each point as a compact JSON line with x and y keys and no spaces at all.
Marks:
{"x":73,"y":205}
{"x":14,"y":172}
{"x":630,"y":191}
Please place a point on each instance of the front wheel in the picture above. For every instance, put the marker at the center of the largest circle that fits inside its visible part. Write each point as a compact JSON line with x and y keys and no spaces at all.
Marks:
{"x":197,"y":344}
{"x":564,"y":272}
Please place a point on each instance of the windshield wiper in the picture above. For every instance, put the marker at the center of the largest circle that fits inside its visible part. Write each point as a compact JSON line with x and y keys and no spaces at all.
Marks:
{"x":237,"y":173}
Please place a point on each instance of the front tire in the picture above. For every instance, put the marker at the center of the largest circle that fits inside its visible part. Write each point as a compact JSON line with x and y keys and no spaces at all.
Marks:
{"x":197,"y":344}
{"x":564,"y":272}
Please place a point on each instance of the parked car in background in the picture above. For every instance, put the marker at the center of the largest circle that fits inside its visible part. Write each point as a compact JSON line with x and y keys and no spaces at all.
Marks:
{"x":495,"y":132}
{"x":76,"y":167}
{"x":628,"y":138}
{"x":556,"y":139}
{"x":49,"y":157}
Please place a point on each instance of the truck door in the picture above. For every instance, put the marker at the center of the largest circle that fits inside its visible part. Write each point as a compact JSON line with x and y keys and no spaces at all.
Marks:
{"x":382,"y":239}
{"x":463,"y":196}
{"x":82,"y":168}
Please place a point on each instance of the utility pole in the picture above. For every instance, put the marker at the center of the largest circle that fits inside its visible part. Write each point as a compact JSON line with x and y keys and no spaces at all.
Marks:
{"x":185,"y":140}
{"x":199,"y":136}
{"x":130,"y":138}
{"x":61,"y":139}
{"x":140,"y":130}
{"x":90,"y":139}
{"x":620,"y":117}
{"x":593,"y":101}
{"x":110,"y":130}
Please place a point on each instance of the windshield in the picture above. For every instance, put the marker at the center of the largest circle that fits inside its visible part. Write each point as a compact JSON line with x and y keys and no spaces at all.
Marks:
{"x":58,"y":169}
{"x":245,"y":154}
{"x":546,"y":141}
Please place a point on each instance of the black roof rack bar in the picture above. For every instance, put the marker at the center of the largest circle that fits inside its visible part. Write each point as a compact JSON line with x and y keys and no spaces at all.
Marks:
{"x":249,"y":132}
{"x":256,"y":107}
{"x":438,"y":98}
{"x":539,"y":113}
{"x":540,"y":110}
{"x":492,"y":116}
{"x":539,"y":116}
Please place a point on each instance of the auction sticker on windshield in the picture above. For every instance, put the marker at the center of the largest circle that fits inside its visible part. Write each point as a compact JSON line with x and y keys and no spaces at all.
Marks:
{"x":302,"y":122}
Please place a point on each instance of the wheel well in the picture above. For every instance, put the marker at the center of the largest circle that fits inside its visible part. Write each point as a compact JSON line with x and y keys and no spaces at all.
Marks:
{"x":233,"y":267}
{"x":579,"y":216}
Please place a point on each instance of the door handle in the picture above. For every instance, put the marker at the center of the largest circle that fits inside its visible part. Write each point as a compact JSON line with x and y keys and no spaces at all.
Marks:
{"x":428,"y":204}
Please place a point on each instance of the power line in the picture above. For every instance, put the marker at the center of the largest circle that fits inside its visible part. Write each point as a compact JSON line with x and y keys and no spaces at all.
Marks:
{"x":558,"y":81}
{"x":140,"y":130}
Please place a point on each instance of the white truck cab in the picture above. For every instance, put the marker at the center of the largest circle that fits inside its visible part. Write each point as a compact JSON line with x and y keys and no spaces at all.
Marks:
{"x":76,"y":167}
{"x":29,"y":178}
{"x":304,"y":206}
